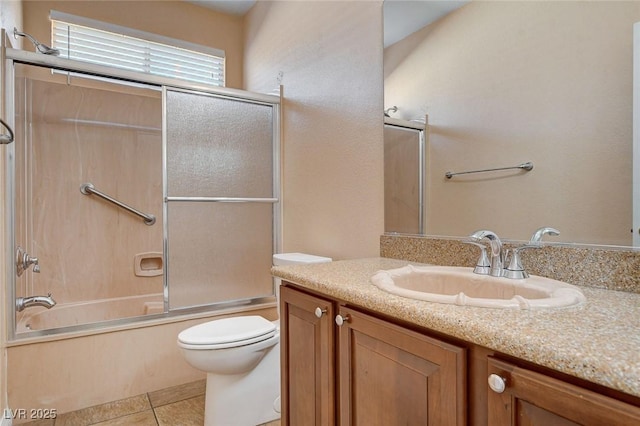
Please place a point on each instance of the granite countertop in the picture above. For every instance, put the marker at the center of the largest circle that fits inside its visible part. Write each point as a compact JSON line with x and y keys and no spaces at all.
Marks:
{"x":598,"y":341}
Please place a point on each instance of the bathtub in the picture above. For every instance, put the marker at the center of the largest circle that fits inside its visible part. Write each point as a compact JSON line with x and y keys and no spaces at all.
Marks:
{"x":69,"y":314}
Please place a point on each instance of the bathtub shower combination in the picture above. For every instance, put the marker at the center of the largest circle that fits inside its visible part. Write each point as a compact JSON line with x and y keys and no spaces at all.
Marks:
{"x":133,"y":197}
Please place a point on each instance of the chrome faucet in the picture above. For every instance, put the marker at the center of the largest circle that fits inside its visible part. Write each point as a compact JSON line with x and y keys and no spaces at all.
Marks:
{"x":537,"y":235}
{"x":483,"y":266}
{"x":26,"y":302}
{"x":497,"y":256}
{"x":516,"y":270}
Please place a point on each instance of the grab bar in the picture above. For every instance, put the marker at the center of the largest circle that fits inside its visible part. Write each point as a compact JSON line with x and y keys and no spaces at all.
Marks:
{"x":6,"y":139}
{"x":88,"y":189}
{"x":525,"y":166}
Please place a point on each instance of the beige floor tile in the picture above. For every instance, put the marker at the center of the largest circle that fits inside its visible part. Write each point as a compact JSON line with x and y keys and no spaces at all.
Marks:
{"x":177,"y":393}
{"x":144,"y":418}
{"x":189,"y":412}
{"x":108,"y":411}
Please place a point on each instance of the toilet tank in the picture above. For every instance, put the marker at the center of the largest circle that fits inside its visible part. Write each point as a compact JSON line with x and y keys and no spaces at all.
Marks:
{"x":282,"y":259}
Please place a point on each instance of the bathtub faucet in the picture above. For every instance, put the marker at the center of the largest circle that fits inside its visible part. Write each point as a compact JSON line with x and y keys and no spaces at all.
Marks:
{"x":26,"y":302}
{"x":23,"y":261}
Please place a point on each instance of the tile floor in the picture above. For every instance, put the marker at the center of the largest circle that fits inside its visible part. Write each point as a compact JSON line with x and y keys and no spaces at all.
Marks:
{"x":176,"y":406}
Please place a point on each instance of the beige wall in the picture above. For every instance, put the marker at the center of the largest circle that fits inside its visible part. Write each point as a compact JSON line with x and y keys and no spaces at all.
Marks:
{"x":509,"y":82}
{"x":10,"y":15}
{"x":177,"y":19}
{"x":330,"y":57}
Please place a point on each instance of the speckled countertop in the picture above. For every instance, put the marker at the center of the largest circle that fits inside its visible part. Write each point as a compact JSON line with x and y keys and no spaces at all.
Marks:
{"x":598,"y":341}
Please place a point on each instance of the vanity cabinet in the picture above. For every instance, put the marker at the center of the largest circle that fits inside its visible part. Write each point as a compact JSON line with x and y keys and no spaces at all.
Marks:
{"x":307,"y":356}
{"x":389,"y":375}
{"x":519,"y":396}
{"x":343,"y":366}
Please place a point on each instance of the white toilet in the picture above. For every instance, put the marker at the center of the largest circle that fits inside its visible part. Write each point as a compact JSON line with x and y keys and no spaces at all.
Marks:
{"x":241,"y":356}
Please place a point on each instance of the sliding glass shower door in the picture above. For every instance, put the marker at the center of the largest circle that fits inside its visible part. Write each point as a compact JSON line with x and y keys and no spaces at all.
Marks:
{"x":220,"y":198}
{"x":203,"y":162}
{"x":74,"y":130}
{"x":404,"y":174}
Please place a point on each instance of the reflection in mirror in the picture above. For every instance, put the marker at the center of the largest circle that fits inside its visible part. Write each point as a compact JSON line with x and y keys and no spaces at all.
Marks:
{"x":506,"y":83}
{"x":404,"y":143}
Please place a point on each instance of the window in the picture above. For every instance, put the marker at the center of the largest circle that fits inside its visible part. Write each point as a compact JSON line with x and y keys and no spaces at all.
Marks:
{"x":96,"y":42}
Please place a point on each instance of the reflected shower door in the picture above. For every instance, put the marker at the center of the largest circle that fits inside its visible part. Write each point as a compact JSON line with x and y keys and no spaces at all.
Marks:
{"x":220,"y":198}
{"x":72,"y":130}
{"x":403,"y":180}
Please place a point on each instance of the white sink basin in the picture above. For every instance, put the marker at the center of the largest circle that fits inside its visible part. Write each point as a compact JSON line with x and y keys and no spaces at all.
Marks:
{"x":460,"y":286}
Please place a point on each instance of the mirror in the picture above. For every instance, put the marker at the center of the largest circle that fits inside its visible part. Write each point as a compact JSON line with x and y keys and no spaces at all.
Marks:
{"x":505,"y":83}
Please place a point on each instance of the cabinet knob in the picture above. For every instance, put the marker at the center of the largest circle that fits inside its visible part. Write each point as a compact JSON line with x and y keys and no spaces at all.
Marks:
{"x":342,"y":319}
{"x":497,"y":384}
{"x":319,"y":312}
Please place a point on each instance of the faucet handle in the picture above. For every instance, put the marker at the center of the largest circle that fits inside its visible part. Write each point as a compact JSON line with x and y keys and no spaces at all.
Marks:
{"x":483,"y":265}
{"x":28,"y":261}
{"x":516,"y":270}
{"x":23,"y":261}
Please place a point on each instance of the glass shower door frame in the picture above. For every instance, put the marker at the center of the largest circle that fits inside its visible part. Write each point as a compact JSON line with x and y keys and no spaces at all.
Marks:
{"x":8,"y":200}
{"x":421,"y":197}
{"x":275,"y":200}
{"x":9,"y":58}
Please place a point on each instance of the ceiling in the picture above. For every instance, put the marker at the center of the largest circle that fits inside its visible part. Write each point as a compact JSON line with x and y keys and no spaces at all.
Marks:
{"x":401,"y":17}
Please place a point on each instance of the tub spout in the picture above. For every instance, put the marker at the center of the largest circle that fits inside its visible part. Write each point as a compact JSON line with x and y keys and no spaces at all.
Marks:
{"x":26,"y":302}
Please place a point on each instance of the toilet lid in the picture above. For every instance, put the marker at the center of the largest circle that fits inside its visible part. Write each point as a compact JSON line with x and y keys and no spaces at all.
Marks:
{"x":239,"y":330}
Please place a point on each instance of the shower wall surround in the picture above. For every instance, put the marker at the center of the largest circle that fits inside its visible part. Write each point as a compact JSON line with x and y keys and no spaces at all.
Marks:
{"x":70,"y":134}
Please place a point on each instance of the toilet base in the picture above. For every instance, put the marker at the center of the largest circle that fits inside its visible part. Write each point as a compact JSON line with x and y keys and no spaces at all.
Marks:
{"x":245,"y":399}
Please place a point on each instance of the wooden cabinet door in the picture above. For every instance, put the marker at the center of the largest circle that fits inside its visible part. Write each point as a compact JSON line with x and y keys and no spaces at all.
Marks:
{"x":389,"y":375}
{"x":536,"y":399}
{"x":307,"y":348}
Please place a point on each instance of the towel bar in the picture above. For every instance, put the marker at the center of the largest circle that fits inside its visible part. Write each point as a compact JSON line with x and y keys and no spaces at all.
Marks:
{"x":524,"y":166}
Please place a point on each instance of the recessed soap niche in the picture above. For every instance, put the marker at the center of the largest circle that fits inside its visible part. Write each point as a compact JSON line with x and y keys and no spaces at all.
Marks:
{"x":148,"y":264}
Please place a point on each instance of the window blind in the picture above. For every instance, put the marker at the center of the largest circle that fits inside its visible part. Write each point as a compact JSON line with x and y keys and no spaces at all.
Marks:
{"x":134,"y":50}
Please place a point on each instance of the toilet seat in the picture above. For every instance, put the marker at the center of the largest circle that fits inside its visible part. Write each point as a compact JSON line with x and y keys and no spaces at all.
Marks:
{"x":227,"y":333}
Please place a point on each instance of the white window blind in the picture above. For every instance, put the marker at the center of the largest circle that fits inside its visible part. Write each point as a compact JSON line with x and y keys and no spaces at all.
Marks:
{"x":96,"y":42}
